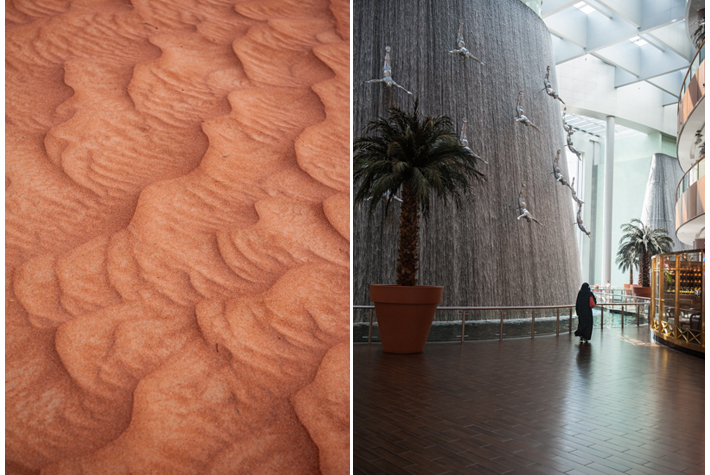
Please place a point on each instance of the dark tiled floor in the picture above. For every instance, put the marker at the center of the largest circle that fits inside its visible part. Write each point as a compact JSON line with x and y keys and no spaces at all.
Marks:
{"x":548,"y":405}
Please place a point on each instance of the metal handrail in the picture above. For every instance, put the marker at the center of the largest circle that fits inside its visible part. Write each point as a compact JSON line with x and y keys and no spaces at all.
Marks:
{"x":678,"y":191}
{"x":685,"y":83}
{"x":463,"y":309}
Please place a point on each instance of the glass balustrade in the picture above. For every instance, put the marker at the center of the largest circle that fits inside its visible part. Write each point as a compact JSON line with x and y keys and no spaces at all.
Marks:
{"x":694,"y":65}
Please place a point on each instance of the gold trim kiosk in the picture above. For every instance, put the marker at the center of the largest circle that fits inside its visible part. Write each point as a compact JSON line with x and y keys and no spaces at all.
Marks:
{"x":677,"y":316}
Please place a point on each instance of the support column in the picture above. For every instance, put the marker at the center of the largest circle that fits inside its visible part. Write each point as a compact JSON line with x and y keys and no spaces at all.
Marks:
{"x":608,"y":195}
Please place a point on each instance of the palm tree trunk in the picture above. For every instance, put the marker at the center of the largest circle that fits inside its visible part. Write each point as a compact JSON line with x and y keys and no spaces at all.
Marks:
{"x":408,"y":260}
{"x":631,"y":277}
{"x":644,"y":270}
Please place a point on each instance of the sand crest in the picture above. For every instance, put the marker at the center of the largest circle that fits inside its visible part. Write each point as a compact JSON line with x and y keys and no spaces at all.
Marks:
{"x":177,"y":237}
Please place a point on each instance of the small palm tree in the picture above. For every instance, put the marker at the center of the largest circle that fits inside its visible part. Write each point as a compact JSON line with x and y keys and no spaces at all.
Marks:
{"x":643,"y":242}
{"x":424,"y":159}
{"x":627,"y":259}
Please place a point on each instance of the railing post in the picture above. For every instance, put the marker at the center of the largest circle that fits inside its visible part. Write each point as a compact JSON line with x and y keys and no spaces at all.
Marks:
{"x":570,"y":320}
{"x":501,"y":326}
{"x":558,"y":322}
{"x":532,"y":327}
{"x":602,"y":318}
{"x":612,"y":317}
{"x":622,"y":317}
{"x":638,"y":316}
{"x":369,"y":333}
{"x":463,"y":324}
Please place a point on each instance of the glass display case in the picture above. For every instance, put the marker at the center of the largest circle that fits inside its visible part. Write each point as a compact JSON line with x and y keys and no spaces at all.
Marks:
{"x":677,"y":312}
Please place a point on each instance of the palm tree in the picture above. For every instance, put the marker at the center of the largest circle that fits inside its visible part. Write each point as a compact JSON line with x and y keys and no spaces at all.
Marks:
{"x":643,"y":242}
{"x":424,"y":159}
{"x":627,"y":258}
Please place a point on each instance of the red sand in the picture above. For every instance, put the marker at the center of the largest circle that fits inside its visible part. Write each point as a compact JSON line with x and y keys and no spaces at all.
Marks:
{"x":177,"y":237}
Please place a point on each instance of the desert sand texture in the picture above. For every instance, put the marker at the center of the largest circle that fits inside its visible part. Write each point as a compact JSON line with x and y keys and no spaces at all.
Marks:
{"x":177,"y":237}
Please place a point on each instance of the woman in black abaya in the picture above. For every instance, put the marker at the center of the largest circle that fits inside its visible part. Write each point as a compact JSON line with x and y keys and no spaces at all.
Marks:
{"x":584,"y":313}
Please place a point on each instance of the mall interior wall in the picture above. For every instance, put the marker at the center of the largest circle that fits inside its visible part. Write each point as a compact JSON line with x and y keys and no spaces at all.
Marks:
{"x":482,"y":253}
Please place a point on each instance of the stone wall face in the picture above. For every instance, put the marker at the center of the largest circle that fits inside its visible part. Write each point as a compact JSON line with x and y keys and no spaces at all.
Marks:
{"x":481,"y":253}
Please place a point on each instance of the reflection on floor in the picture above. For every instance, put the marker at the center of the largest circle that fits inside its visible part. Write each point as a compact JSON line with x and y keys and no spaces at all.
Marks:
{"x":549,"y":405}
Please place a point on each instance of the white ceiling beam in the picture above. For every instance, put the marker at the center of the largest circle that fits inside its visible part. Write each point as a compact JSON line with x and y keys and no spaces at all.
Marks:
{"x":602,"y":31}
{"x":668,"y":99}
{"x":569,"y":24}
{"x":565,"y":50}
{"x":600,"y":8}
{"x":629,"y":10}
{"x":623,"y":78}
{"x":666,"y":75}
{"x":657,"y":13}
{"x":657,"y":63}
{"x":625,"y":55}
{"x":653,"y":42}
{"x":550,"y":7}
{"x":674,"y":38}
{"x":667,"y":86}
{"x":669,"y":83}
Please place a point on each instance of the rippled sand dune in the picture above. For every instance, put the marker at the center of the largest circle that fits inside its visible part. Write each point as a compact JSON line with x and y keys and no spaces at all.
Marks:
{"x":177,"y":237}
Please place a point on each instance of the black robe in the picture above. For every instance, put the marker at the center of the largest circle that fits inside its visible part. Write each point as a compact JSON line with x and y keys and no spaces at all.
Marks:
{"x":584,"y":313}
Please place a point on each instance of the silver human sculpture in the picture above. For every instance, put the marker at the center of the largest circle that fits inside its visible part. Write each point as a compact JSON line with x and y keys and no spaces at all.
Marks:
{"x":464,"y":141}
{"x":580,"y":224}
{"x":571,"y":148}
{"x":556,"y":169}
{"x":462,"y":46}
{"x":387,"y":73}
{"x":574,"y":194}
{"x":523,"y":207}
{"x":548,"y":87}
{"x":521,"y":113}
{"x":568,"y":128}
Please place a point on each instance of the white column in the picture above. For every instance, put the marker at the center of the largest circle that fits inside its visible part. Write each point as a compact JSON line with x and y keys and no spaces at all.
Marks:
{"x":608,"y":194}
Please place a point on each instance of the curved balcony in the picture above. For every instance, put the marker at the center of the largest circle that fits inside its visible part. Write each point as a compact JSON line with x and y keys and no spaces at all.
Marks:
{"x":691,"y":107}
{"x":690,"y":204}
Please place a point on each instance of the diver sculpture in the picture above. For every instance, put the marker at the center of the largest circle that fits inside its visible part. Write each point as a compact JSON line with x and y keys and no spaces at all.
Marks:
{"x":462,"y":46}
{"x":568,"y":128}
{"x":387,"y":73}
{"x":580,"y":224}
{"x":524,"y":213}
{"x":521,"y":113}
{"x":571,"y":148}
{"x":464,"y":141}
{"x":548,"y":87}
{"x":574,"y":194}
{"x":556,"y":169}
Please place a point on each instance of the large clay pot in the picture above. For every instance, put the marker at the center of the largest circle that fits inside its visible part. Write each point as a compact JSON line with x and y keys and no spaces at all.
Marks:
{"x":404,"y":315}
{"x":639,"y":291}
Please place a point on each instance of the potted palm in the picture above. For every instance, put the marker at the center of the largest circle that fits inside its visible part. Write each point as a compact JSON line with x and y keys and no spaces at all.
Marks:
{"x":627,"y":259}
{"x":643,"y":242}
{"x":421,"y":160}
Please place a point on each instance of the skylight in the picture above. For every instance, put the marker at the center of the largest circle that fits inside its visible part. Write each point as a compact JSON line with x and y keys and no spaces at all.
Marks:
{"x":586,"y":9}
{"x":638,"y":41}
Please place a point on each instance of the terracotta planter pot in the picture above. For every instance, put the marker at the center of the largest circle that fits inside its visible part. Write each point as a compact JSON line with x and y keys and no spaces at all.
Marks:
{"x":404,"y":315}
{"x":639,"y":291}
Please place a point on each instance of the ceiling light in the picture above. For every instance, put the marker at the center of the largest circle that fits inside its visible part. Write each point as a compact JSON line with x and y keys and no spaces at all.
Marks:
{"x":586,"y":9}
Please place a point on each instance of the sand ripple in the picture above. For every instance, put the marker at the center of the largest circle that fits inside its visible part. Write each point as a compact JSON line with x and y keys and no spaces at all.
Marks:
{"x":177,"y":237}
